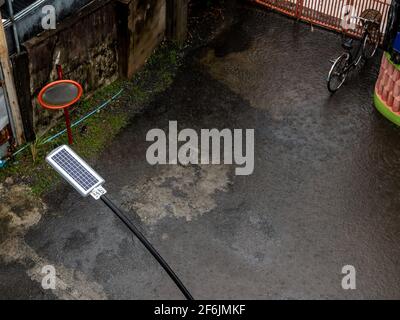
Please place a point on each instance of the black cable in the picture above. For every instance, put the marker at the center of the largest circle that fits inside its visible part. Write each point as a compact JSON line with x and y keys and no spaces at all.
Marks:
{"x":148,"y":246}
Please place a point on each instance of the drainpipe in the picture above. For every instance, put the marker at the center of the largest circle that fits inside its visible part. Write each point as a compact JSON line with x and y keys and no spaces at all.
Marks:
{"x":14,"y":26}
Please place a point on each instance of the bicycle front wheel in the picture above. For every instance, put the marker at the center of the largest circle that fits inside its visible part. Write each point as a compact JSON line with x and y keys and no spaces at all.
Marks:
{"x":338,"y":73}
{"x":370,"y":45}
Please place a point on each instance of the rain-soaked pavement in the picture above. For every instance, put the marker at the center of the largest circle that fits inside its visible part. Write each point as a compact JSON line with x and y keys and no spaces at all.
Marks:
{"x":324,"y":194}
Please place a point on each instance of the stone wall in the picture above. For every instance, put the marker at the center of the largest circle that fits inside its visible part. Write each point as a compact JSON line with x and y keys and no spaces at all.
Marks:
{"x":104,"y":41}
{"x":86,"y":45}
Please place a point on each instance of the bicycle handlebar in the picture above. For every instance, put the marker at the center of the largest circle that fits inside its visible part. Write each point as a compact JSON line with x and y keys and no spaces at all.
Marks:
{"x":365,"y":20}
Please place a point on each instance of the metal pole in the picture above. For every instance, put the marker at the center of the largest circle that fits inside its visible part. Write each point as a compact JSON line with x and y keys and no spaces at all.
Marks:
{"x":148,"y":246}
{"x":68,"y":124}
{"x":14,"y":26}
{"x":28,"y":10}
{"x":60,"y":75}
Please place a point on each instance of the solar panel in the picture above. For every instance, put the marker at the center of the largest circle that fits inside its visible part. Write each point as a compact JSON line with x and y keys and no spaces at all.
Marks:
{"x":75,"y":170}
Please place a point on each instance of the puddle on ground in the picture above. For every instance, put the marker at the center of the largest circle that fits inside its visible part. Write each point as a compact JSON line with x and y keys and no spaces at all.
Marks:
{"x":179,"y":191}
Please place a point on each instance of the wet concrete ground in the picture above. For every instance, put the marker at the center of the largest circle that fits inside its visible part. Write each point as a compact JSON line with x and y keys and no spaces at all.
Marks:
{"x":324,"y":193}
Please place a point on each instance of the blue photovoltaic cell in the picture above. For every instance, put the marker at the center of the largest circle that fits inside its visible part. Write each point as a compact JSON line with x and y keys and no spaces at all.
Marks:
{"x":75,"y":170}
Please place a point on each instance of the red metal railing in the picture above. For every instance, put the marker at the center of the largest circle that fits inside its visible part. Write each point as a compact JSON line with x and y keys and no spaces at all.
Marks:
{"x":328,"y":13}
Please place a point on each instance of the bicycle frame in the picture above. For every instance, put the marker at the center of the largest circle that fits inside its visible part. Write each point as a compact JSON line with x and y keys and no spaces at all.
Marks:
{"x":355,"y":59}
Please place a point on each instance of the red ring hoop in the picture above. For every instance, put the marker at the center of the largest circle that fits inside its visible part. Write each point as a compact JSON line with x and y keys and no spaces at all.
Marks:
{"x":59,"y":107}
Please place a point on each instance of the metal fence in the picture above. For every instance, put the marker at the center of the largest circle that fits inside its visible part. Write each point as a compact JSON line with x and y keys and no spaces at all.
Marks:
{"x":24,"y":20}
{"x":328,"y":13}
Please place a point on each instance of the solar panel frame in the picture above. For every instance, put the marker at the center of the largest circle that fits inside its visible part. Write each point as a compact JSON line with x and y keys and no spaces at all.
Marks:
{"x":75,"y":170}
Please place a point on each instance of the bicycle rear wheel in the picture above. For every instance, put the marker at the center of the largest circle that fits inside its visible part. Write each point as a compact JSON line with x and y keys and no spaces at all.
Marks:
{"x":338,"y":73}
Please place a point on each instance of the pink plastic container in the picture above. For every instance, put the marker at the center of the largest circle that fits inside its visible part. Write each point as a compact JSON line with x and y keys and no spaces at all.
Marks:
{"x":396,"y":104}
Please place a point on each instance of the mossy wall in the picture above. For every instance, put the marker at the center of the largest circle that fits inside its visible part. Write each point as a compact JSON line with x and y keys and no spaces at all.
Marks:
{"x":105,"y":41}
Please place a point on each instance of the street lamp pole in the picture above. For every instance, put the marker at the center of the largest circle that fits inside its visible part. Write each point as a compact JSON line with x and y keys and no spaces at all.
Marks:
{"x":121,"y":215}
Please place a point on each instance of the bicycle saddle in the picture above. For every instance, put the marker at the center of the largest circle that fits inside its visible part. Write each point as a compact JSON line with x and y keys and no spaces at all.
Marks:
{"x":347,"y":44}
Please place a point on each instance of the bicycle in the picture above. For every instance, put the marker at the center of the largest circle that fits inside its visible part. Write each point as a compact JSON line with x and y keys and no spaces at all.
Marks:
{"x":347,"y":60}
